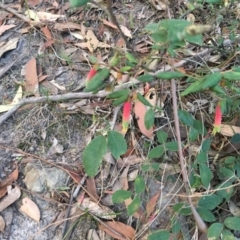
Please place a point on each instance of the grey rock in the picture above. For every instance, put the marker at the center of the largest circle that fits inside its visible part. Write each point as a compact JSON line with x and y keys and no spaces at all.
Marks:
{"x":39,"y":179}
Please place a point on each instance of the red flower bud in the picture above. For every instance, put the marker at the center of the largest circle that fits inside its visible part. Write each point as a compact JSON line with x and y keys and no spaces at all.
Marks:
{"x":217,"y":119}
{"x":126,"y":116}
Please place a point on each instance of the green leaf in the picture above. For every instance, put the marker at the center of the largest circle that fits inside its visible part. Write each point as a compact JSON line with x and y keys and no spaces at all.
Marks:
{"x":121,"y":195}
{"x":233,"y":76}
{"x":159,"y":235}
{"x":139,"y":184}
{"x":97,"y":80}
{"x":120,"y":100}
{"x":146,"y":78}
{"x":211,"y":80}
{"x":78,"y":3}
{"x":133,"y":206}
{"x":206,"y":215}
{"x":235,"y":138}
{"x":205,"y":174}
{"x":226,"y":191}
{"x":162,"y":136}
{"x":159,"y":36}
{"x":202,"y":157}
{"x":224,"y":173}
{"x":227,"y":235}
{"x":169,"y":75}
{"x":199,"y":126}
{"x":206,"y":145}
{"x":210,"y":201}
{"x":125,"y":69}
{"x":143,"y":100}
{"x":119,"y":93}
{"x":182,"y":209}
{"x":176,"y":27}
{"x":93,"y":155}
{"x":193,"y":134}
{"x":214,"y":231}
{"x":149,"y":118}
{"x":172,"y":146}
{"x":152,"y":27}
{"x":218,"y":89}
{"x":131,"y":58}
{"x":117,"y":144}
{"x":193,"y":87}
{"x":186,"y":118}
{"x":156,"y":152}
{"x":232,"y":223}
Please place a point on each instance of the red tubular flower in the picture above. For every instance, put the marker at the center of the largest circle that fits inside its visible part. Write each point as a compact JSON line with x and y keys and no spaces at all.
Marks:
{"x":91,"y":73}
{"x":217,"y":120}
{"x":126,"y":116}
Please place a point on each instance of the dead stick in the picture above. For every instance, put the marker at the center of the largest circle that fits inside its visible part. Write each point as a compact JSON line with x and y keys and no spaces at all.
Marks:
{"x":81,"y":95}
{"x":22,"y":17}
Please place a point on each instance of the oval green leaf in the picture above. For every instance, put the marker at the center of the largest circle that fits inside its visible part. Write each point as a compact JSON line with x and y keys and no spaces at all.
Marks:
{"x":121,"y":195}
{"x":210,"y":201}
{"x":119,"y":93}
{"x":206,"y":215}
{"x":186,"y":118}
{"x":149,"y":118}
{"x":93,"y":155}
{"x":169,"y":75}
{"x":133,"y":206}
{"x":146,"y":78}
{"x":205,"y":174}
{"x":139,"y":184}
{"x":156,"y":152}
{"x":116,"y":144}
{"x":232,"y":223}
{"x":172,"y":146}
{"x":78,"y":3}
{"x":193,"y":87}
{"x":162,"y":136}
{"x":159,"y":235}
{"x":214,"y":231}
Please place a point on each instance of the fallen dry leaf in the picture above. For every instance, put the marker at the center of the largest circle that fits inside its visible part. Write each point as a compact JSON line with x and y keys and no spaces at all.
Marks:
{"x":229,"y":130}
{"x":2,"y":224}
{"x":30,"y":209}
{"x":118,"y":230}
{"x":8,"y":181}
{"x":95,"y":209}
{"x":91,"y":189}
{"x":92,"y":41}
{"x":16,"y":99}
{"x":7,"y":46}
{"x":46,"y":16}
{"x":152,"y":203}
{"x":78,"y":35}
{"x":31,"y":85}
{"x":50,"y":87}
{"x":124,"y":29}
{"x":13,"y":195}
{"x":4,"y":28}
{"x":67,"y":26}
{"x":47,"y":33}
{"x":140,"y":111}
{"x":73,"y":174}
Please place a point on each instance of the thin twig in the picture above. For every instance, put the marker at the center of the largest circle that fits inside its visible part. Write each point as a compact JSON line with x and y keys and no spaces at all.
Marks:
{"x":101,"y":94}
{"x":22,"y":17}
